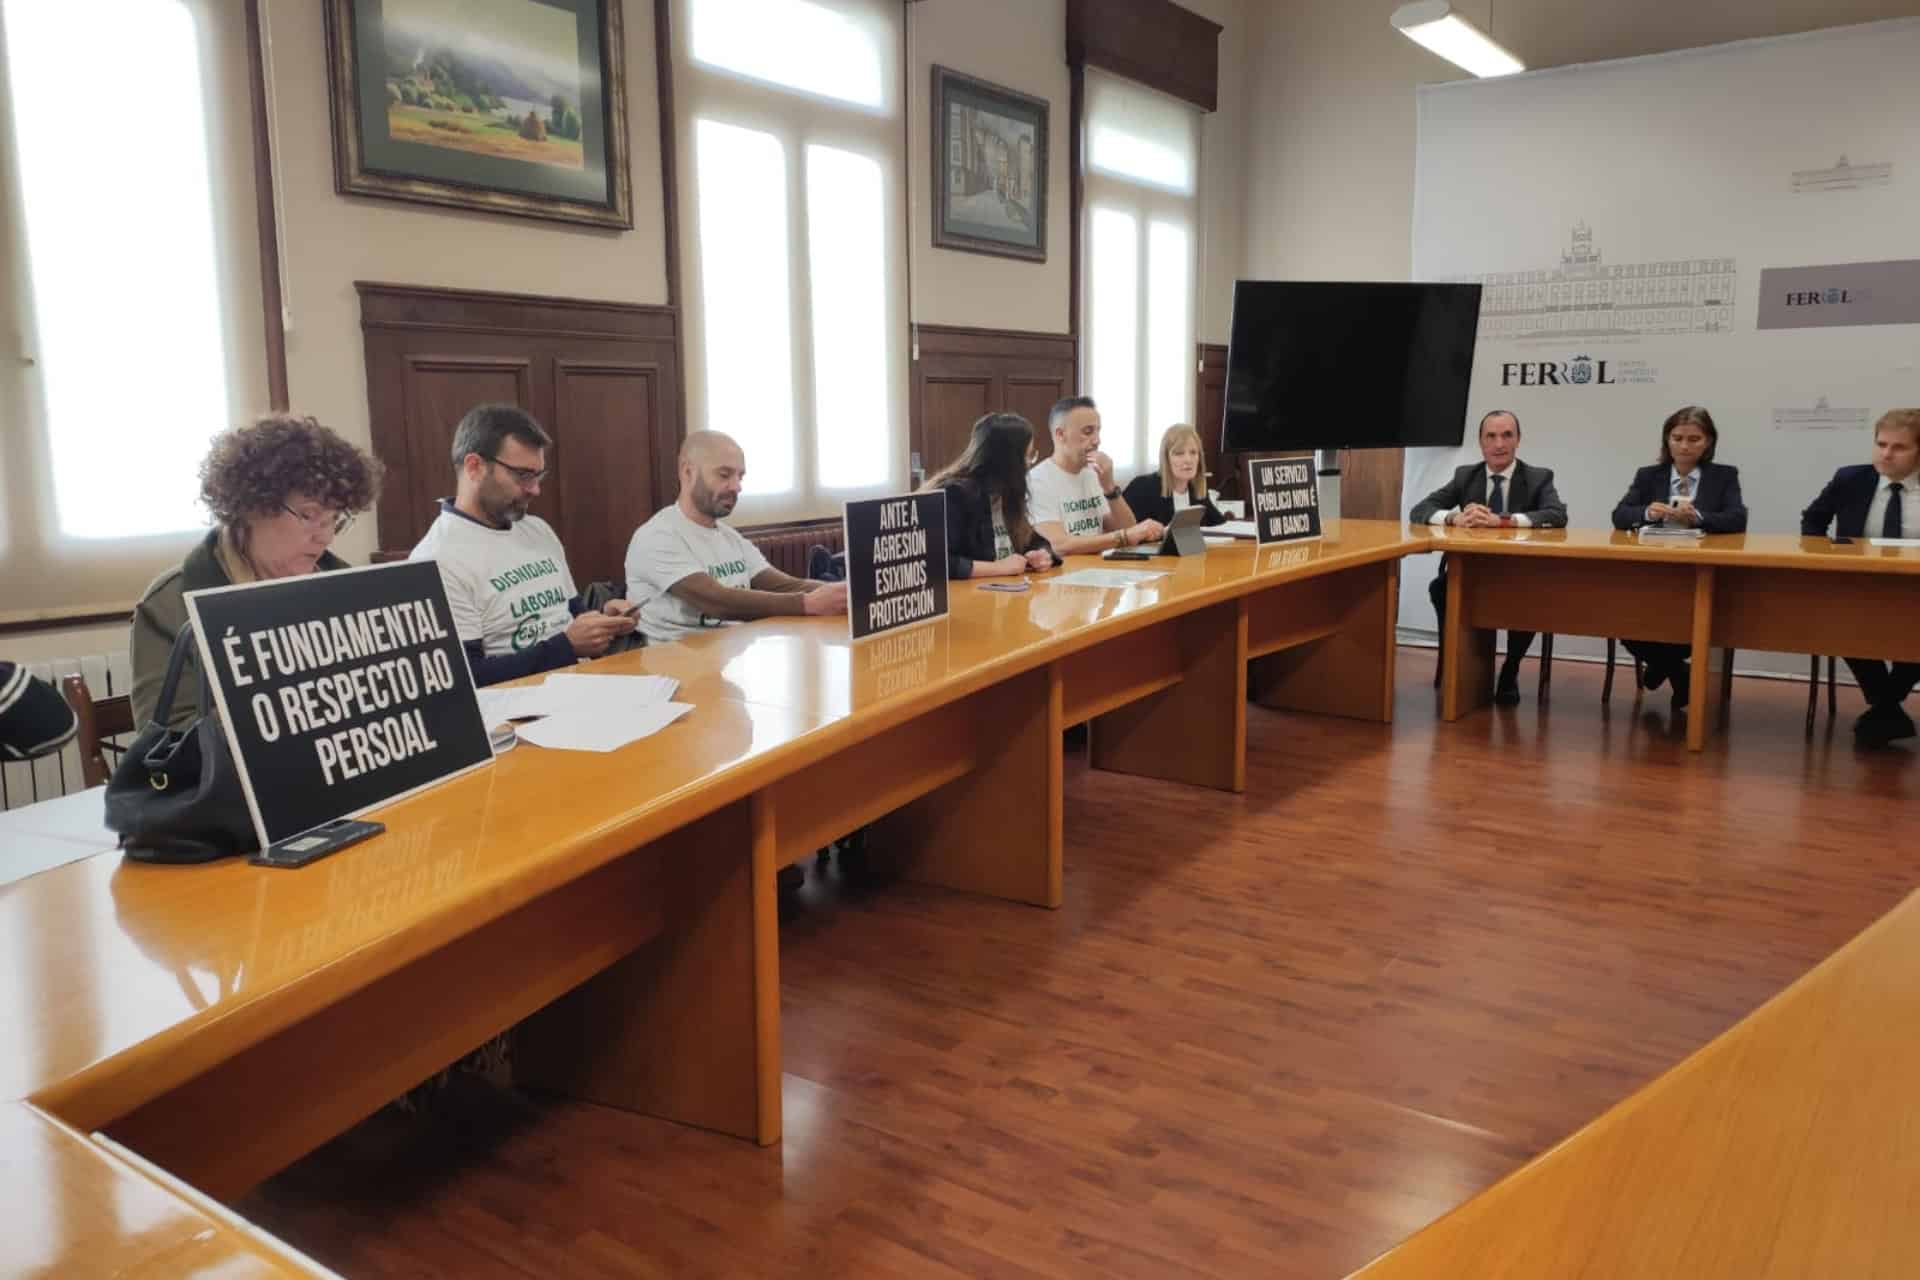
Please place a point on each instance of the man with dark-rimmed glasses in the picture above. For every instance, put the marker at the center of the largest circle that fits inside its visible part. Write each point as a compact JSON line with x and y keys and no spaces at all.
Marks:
{"x":513,"y":600}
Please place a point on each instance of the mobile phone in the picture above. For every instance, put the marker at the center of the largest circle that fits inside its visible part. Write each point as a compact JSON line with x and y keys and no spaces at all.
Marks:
{"x":1841,"y":542}
{"x":1119,"y":553}
{"x":316,"y":843}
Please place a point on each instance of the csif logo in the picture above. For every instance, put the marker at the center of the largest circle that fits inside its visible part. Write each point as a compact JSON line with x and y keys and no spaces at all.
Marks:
{"x":1581,"y":371}
{"x":1819,"y":297}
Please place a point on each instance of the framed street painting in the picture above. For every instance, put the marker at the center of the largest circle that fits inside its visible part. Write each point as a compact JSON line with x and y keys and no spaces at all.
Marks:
{"x":989,"y":168}
{"x":509,"y":106}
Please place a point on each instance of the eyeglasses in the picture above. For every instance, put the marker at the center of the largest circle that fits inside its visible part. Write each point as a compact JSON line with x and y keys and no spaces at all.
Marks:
{"x":338,"y":521}
{"x":527,"y":476}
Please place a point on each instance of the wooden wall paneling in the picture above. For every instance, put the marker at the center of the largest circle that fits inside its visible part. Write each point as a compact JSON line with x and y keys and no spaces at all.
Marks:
{"x":1154,"y":42}
{"x":1370,"y":484}
{"x":951,"y":406}
{"x":962,"y":373}
{"x":603,"y":377}
{"x":435,"y":391}
{"x":1209,"y":417}
{"x":609,"y":468}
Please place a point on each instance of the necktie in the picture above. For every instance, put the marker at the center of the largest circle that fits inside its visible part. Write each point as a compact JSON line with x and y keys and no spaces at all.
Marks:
{"x":1683,"y":487}
{"x":1498,"y":502}
{"x":1895,"y":523}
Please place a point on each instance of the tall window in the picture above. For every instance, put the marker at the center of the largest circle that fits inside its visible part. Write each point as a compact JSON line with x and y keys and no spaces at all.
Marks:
{"x":791,"y":122}
{"x":1142,"y":158}
{"x":125,"y":254}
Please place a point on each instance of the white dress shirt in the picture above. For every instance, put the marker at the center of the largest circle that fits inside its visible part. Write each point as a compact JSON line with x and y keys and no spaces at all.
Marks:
{"x":1520,"y":522}
{"x":1909,"y":507}
{"x":1674,"y":480}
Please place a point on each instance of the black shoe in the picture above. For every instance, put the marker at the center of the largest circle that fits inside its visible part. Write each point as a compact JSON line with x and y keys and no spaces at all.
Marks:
{"x":1652,"y":676}
{"x":1507,"y":693}
{"x":1878,"y":726}
{"x":1682,"y":686}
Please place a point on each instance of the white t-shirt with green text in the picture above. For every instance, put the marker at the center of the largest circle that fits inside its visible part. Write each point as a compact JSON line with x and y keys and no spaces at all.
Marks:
{"x":1002,"y":540}
{"x":1075,"y":501}
{"x":508,"y":588}
{"x":670,"y":547}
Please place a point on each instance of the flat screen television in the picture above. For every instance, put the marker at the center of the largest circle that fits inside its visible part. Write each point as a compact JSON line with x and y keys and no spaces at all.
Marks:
{"x":1319,"y":365}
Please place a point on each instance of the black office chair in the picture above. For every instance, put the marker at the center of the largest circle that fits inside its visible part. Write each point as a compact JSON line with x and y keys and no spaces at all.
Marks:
{"x":1639,"y":670}
{"x":1546,"y":665}
{"x":1813,"y":692}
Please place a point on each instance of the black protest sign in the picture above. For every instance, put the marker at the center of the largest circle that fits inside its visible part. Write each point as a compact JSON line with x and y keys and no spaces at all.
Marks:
{"x":340,"y":691}
{"x":896,"y":562}
{"x":1283,"y":499}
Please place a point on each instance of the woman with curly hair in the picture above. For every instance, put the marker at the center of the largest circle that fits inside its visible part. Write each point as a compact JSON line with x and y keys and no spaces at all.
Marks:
{"x":280,"y":491}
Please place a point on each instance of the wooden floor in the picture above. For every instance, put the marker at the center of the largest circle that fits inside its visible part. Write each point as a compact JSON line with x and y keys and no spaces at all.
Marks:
{"x":1268,"y":1035}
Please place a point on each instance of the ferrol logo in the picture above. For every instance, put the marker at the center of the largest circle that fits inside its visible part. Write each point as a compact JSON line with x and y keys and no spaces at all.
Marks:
{"x":1581,"y":371}
{"x":1819,"y":298}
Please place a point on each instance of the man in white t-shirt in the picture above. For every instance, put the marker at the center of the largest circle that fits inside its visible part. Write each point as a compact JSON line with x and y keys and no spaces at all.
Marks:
{"x":686,"y":570}
{"x":513,"y":600}
{"x":1071,"y":498}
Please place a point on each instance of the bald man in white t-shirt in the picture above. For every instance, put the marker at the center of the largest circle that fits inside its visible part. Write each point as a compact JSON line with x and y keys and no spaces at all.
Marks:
{"x":687,"y":571}
{"x":1071,"y":497}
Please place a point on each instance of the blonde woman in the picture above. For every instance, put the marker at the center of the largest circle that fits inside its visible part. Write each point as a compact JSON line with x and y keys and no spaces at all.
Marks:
{"x":1180,"y":483}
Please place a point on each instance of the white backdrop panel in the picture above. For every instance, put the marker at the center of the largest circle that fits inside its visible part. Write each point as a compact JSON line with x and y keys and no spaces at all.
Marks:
{"x":1622,"y":212}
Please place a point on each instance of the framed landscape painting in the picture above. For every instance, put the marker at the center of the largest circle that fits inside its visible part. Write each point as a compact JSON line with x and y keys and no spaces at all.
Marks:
{"x":989,"y":168}
{"x":508,"y":106}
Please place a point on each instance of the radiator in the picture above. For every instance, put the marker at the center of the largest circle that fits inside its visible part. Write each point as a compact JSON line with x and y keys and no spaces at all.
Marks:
{"x":56,"y":775}
{"x":785,"y":545}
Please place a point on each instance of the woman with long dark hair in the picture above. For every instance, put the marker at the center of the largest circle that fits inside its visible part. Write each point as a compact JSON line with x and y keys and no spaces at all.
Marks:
{"x":988,"y":532}
{"x":1688,"y":489}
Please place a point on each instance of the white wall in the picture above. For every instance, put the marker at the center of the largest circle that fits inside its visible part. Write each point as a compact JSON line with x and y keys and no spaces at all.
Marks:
{"x":329,"y":241}
{"x":1330,"y":113}
{"x":1022,"y":44}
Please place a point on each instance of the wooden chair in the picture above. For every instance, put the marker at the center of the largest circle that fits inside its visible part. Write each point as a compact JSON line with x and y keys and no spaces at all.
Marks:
{"x":98,"y":720}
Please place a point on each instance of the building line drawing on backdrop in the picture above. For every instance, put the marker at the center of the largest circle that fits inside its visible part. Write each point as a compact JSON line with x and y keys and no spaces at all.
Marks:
{"x":1843,"y":177}
{"x":1585,"y":296}
{"x":1821,"y":417}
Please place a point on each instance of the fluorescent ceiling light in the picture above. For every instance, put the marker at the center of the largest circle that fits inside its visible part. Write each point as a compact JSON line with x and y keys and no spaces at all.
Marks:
{"x":1434,"y":24}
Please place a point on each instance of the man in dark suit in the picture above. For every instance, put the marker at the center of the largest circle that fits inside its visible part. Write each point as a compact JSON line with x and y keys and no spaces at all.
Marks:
{"x":1500,"y":491}
{"x":1880,"y":499}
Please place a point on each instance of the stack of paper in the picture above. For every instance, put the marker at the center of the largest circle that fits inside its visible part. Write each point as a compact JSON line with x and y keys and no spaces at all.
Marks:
{"x":1232,"y":529}
{"x":595,"y":731}
{"x":588,"y":713}
{"x":1658,"y":531}
{"x":1108,"y":577}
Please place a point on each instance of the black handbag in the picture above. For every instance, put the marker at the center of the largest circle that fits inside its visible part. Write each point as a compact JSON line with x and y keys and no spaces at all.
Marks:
{"x":176,"y":796}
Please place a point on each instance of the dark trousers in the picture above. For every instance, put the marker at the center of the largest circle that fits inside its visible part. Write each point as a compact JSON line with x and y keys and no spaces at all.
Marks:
{"x":1518,"y":642}
{"x":1659,"y":654}
{"x":1882,"y":684}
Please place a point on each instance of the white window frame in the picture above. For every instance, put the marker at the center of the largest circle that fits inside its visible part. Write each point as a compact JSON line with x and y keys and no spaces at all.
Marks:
{"x":1133,"y":439}
{"x":45,"y":572}
{"x":798,"y":119}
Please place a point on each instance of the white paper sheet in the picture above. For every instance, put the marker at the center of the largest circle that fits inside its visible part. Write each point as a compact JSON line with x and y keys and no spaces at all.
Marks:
{"x":1232,"y":529}
{"x":598,"y":730}
{"x":513,"y":704}
{"x":1893,"y":542}
{"x":566,"y":691}
{"x":1108,"y":577}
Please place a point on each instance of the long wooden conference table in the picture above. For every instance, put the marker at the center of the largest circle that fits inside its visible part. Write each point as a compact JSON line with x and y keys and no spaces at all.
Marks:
{"x":1723,"y":591}
{"x":214,"y":1023}
{"x":220,"y":1021}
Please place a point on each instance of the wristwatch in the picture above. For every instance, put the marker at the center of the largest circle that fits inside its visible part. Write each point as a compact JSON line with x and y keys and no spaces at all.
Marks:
{"x":1112,"y":493}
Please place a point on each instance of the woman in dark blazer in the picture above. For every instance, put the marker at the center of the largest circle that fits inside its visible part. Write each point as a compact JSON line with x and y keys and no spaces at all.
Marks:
{"x":988,"y":533}
{"x":1181,"y":481}
{"x":1688,"y":489}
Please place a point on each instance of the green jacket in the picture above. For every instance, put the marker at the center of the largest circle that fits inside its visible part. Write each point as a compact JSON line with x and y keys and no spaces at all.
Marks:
{"x":158,"y":620}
